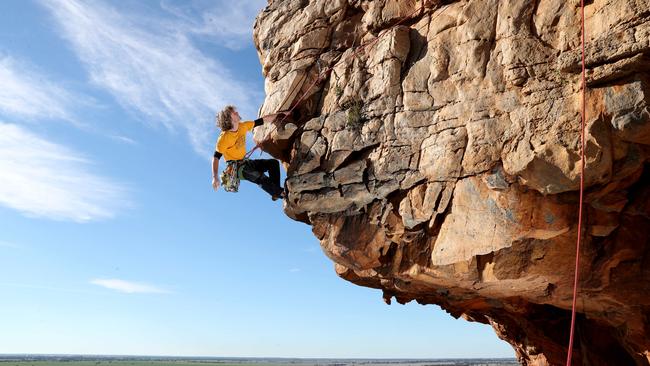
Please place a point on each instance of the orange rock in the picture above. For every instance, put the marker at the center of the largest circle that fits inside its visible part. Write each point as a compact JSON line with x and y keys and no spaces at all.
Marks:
{"x":441,"y":162}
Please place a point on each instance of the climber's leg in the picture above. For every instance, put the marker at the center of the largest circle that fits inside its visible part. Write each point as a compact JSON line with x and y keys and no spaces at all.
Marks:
{"x":254,"y":171}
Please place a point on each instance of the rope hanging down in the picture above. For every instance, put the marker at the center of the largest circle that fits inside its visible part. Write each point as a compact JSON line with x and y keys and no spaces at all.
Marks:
{"x":582,"y":188}
{"x":322,"y":75}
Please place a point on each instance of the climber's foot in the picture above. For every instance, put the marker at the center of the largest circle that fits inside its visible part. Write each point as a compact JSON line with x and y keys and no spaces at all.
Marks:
{"x":275,"y":197}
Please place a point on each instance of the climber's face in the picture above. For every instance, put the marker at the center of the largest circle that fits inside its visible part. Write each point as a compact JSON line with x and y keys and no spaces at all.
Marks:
{"x":236,"y":118}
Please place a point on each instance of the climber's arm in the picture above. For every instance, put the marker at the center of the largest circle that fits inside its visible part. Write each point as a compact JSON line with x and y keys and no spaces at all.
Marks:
{"x":215,"y":170}
{"x":269,"y":118}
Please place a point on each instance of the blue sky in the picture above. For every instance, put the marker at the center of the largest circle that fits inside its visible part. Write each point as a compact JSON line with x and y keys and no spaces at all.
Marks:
{"x":111,"y":239}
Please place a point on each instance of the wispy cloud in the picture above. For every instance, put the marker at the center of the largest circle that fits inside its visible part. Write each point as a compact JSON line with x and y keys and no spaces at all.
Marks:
{"x":128,"y":287}
{"x":124,"y":139}
{"x":43,"y":179}
{"x":27,"y":93}
{"x":224,"y":23}
{"x":151,"y":66}
{"x":294,"y":270}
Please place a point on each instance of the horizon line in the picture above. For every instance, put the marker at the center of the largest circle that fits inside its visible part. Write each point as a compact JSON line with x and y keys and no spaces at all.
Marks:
{"x":245,"y":357}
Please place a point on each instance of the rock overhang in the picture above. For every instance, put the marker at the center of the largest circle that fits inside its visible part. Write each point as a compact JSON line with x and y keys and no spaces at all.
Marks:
{"x":442,"y":164}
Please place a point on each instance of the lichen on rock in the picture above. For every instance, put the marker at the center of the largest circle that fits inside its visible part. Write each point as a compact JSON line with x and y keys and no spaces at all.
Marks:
{"x":437,"y":158}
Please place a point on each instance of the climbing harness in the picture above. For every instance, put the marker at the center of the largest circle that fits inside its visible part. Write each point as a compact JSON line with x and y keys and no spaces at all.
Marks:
{"x":582,"y":187}
{"x":232,"y":175}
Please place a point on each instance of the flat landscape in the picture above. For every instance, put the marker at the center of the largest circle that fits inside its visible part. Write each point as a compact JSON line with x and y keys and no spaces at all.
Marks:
{"x":28,"y":360}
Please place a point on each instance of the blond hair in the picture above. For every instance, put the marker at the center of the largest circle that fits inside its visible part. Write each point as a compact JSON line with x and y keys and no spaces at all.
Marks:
{"x":224,"y":118}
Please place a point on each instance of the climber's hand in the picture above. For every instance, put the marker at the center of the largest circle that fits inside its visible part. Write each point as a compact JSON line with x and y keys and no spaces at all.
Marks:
{"x":215,"y":183}
{"x":281,"y":115}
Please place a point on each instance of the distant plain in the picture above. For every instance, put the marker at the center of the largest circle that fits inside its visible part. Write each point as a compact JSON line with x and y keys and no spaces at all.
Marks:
{"x":53,"y":360}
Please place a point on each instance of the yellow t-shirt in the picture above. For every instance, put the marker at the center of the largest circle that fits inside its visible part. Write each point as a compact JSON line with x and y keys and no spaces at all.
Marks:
{"x":232,"y":144}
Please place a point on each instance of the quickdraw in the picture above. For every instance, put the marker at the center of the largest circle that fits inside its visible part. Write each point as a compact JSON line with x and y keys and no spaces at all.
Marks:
{"x":232,"y":175}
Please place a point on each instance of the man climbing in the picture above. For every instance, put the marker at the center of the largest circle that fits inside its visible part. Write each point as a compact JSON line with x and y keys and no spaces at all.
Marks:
{"x":232,"y":146}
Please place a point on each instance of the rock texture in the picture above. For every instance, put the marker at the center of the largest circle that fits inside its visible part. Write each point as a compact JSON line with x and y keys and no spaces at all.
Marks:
{"x":439,"y":161}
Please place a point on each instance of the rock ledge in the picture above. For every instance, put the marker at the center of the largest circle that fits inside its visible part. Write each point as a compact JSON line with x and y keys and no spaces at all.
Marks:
{"x":441,"y":164}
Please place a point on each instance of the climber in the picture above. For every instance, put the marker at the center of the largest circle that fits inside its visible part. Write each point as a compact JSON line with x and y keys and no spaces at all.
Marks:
{"x":232,"y":146}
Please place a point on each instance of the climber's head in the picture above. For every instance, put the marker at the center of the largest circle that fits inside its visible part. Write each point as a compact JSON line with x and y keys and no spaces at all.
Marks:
{"x":228,"y":119}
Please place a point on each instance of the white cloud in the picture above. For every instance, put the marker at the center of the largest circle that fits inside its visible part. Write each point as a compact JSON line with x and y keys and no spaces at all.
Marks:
{"x":40,"y":178}
{"x":294,"y":270}
{"x":225,"y":23}
{"x":151,"y":66}
{"x":128,"y":287}
{"x":124,"y":139}
{"x":27,"y":93}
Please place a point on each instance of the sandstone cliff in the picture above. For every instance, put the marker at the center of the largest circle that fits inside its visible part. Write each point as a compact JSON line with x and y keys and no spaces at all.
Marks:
{"x":441,"y":164}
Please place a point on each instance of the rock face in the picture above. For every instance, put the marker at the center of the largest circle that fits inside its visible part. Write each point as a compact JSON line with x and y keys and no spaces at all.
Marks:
{"x":439,"y":159}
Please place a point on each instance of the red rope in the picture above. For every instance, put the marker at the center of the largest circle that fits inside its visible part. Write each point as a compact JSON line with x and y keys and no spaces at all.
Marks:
{"x":329,"y":69}
{"x":582,"y":187}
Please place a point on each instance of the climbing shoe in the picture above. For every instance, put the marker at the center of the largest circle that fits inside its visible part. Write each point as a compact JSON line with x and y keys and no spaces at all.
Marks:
{"x":276,"y":197}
